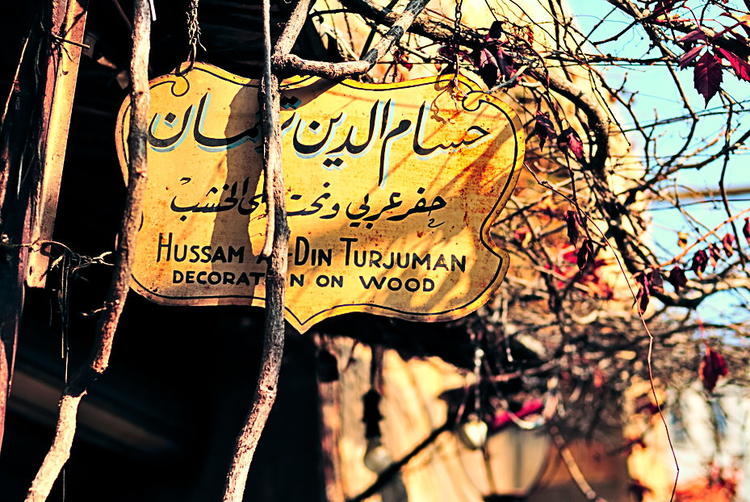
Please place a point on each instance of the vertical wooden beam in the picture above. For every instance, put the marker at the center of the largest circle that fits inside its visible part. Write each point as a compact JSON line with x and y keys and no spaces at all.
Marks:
{"x":12,"y":216}
{"x":67,"y":34}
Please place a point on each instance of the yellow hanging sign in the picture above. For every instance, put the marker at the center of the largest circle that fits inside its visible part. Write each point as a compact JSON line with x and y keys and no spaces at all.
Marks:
{"x":391,"y":191}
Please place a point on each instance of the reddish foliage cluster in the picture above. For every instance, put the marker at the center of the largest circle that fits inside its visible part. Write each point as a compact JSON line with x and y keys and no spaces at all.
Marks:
{"x":543,"y":128}
{"x":491,"y":60}
{"x":569,"y":140}
{"x":576,"y":264}
{"x":701,"y":259}
{"x":503,"y":418}
{"x":589,"y":276}
{"x":717,"y":487}
{"x":712,"y":254}
{"x":572,"y":221}
{"x":649,"y":282}
{"x":713,"y":366}
{"x":708,"y":69}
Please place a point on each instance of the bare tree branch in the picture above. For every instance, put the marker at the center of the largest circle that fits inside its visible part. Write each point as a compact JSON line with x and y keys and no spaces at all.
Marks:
{"x":273,"y":340}
{"x":285,"y":62}
{"x":120,"y":285}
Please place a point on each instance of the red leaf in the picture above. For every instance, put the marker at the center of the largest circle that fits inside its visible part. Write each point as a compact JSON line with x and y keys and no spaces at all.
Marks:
{"x":663,"y":7}
{"x":740,"y":66}
{"x":487,"y":66}
{"x":696,"y":34}
{"x":746,"y":230}
{"x":677,"y":278}
{"x":642,"y":298}
{"x":700,"y":261}
{"x":571,"y":218}
{"x":484,"y":57}
{"x":644,"y":292}
{"x":403,"y":59}
{"x":585,"y":254}
{"x":569,"y":139}
{"x":728,"y":243}
{"x":495,"y":32}
{"x":689,"y":56}
{"x":714,"y":254}
{"x":707,"y":76}
{"x":504,"y":62}
{"x":642,"y":278}
{"x":712,"y":367}
{"x":656,"y":283}
{"x":492,"y":62}
{"x":543,"y":128}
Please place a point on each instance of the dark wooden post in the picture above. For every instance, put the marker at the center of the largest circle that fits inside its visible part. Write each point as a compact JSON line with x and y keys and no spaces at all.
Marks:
{"x":33,"y":138}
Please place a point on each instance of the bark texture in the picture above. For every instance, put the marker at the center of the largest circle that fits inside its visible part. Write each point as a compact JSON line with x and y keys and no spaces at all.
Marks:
{"x":23,"y":132}
{"x":273,"y":340}
{"x":283,"y":61}
{"x":59,"y":452}
{"x":276,"y":244}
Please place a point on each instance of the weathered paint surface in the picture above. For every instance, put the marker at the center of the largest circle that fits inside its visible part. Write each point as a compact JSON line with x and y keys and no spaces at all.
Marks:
{"x":391,"y":190}
{"x":62,"y":75}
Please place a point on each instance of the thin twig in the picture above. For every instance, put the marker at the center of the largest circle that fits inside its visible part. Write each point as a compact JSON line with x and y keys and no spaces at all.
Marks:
{"x":285,"y":62}
{"x":267,"y":107}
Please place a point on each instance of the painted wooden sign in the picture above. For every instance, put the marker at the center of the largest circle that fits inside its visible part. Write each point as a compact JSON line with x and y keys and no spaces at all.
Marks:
{"x":391,"y":191}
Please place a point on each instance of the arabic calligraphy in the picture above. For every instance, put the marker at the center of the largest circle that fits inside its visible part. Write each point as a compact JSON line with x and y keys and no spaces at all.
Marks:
{"x":380,"y":128}
{"x":232,"y":201}
{"x":238,"y":200}
{"x":391,"y":191}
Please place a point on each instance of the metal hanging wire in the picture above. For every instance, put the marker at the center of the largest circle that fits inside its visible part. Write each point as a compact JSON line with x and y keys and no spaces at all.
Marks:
{"x":193,"y":35}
